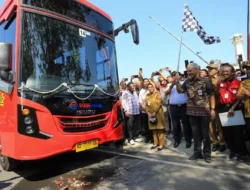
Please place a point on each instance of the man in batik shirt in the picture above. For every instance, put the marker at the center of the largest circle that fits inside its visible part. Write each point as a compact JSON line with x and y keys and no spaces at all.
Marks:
{"x":244,"y":94}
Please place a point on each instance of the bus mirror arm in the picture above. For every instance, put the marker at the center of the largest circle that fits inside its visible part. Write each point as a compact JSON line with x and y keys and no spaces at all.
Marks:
{"x":134,"y":29}
{"x":124,"y":27}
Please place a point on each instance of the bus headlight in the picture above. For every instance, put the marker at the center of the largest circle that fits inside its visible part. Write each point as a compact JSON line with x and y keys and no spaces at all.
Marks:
{"x":29,"y":130}
{"x":28,"y":123}
{"x":28,"y":120}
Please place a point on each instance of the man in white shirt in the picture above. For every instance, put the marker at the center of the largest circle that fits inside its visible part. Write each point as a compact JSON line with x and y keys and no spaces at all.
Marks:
{"x":130,"y":104}
{"x":178,"y":114}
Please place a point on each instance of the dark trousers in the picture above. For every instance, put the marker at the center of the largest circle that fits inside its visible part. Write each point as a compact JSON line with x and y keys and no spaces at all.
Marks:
{"x":133,"y":122}
{"x":200,"y":128}
{"x":169,"y":119}
{"x":234,"y":135}
{"x":145,"y":129}
{"x":178,"y":115}
{"x":125,"y":129}
{"x":247,"y":134}
{"x":247,"y":129}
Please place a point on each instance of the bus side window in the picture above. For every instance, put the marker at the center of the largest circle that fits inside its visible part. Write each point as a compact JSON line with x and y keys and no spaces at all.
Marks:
{"x":8,"y":34}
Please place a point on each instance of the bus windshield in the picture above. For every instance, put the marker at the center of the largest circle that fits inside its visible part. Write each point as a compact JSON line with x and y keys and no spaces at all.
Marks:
{"x":75,"y":10}
{"x":56,"y":52}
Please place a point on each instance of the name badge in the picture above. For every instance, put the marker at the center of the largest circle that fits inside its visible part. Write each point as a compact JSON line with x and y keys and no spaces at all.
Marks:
{"x":200,"y":92}
{"x":235,"y":91}
{"x":226,"y":96}
{"x":149,"y":103}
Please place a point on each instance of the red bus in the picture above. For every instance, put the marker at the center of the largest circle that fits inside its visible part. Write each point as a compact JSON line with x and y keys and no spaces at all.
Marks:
{"x":59,"y":87}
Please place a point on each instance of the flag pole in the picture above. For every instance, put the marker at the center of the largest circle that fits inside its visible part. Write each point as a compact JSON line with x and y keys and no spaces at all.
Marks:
{"x":179,"y":57}
{"x":177,"y":39}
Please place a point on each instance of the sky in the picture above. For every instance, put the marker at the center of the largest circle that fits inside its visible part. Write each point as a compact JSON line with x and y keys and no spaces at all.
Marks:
{"x":158,"y":49}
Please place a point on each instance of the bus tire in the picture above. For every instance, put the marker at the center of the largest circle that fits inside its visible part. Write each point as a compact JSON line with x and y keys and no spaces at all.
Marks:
{"x":7,"y":163}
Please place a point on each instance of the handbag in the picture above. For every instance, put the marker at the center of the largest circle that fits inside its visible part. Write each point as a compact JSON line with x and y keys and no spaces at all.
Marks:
{"x":153,"y":120}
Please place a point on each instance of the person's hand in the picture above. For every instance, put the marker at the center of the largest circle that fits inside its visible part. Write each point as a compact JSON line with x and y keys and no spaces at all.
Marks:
{"x":126,"y":114}
{"x":246,"y":92}
{"x":178,"y":77}
{"x":213,"y":114}
{"x":143,"y":105}
{"x":124,"y":80}
{"x":140,"y":73}
{"x":231,"y":113}
{"x":176,"y":81}
{"x":153,"y":114}
{"x":155,"y":73}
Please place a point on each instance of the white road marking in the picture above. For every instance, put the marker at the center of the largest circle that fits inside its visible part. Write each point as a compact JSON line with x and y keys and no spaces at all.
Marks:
{"x":175,"y":163}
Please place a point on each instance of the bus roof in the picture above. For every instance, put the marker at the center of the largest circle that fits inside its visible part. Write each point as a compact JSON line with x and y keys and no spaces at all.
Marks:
{"x":92,"y":6}
{"x":12,"y":3}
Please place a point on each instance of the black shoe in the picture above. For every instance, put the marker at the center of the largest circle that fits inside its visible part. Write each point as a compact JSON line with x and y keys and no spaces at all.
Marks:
{"x":188,"y":144}
{"x":215,"y":147}
{"x":222,"y":148}
{"x":168,"y":133}
{"x":154,"y":147}
{"x":208,"y":159}
{"x":160,"y":148}
{"x":176,"y":144}
{"x":232,"y":155}
{"x":196,"y":156}
{"x":240,"y":158}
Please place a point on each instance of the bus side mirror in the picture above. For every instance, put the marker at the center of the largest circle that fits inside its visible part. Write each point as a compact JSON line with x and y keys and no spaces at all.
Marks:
{"x":5,"y":60}
{"x":135,"y":31}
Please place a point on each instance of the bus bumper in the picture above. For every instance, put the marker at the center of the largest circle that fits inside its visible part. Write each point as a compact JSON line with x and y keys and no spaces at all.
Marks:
{"x":28,"y":148}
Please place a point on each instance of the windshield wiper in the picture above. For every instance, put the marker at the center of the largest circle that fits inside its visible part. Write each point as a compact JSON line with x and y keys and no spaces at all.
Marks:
{"x":58,"y":92}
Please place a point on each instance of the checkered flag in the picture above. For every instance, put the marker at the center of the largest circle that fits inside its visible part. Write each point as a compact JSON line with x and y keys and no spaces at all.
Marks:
{"x":190,"y":24}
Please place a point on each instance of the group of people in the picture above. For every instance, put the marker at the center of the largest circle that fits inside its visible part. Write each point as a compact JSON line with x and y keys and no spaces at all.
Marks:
{"x":192,"y":102}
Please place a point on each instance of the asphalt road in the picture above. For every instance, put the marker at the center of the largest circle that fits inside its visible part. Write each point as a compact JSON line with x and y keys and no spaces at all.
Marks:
{"x":134,"y":167}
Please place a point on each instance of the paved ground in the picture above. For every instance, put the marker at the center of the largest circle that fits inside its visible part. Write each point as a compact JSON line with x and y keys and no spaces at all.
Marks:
{"x":134,"y":167}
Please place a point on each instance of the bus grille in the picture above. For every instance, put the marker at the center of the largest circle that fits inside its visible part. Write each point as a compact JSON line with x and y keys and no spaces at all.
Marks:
{"x":83,"y":124}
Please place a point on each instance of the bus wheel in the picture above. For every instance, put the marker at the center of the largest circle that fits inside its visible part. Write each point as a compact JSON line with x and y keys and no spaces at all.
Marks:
{"x":7,"y":163}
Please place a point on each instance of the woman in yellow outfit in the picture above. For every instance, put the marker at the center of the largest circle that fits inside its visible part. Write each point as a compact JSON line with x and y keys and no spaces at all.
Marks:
{"x":153,"y":107}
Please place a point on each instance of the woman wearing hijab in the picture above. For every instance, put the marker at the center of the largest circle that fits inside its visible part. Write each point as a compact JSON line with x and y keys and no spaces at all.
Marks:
{"x":153,"y":107}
